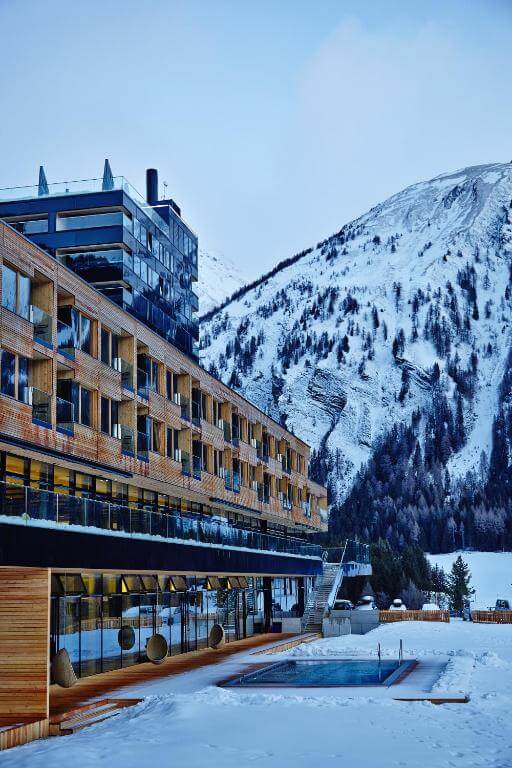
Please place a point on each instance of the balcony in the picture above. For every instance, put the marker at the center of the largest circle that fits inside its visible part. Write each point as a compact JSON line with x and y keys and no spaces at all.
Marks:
{"x":226,"y":429}
{"x":185,"y":407}
{"x":196,"y":413}
{"x":228,"y":480}
{"x":31,"y":504}
{"x":196,"y":467}
{"x":126,"y":370}
{"x":65,"y":416}
{"x":236,"y":482}
{"x":127,"y":440}
{"x":66,"y":340}
{"x":306,"y":508}
{"x":41,"y":407}
{"x":143,"y":384}
{"x":185,"y":463}
{"x":43,"y":326}
{"x":143,"y":443}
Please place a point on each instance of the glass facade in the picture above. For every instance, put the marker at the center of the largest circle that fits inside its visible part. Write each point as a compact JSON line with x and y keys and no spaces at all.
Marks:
{"x":143,"y":258}
{"x":104,"y":621}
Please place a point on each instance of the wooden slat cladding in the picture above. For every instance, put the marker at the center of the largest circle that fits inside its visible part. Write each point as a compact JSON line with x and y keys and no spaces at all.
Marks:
{"x":24,"y":642}
{"x":58,"y":286}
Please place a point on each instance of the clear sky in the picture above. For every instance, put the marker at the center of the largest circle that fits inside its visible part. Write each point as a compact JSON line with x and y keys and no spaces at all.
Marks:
{"x":273,"y":122}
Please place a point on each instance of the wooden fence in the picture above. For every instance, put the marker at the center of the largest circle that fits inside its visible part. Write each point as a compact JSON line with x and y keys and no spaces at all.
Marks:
{"x":387,"y":617}
{"x":492,"y":617}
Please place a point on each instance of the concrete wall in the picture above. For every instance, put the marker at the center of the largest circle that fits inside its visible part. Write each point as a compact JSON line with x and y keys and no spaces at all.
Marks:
{"x":335,"y":625}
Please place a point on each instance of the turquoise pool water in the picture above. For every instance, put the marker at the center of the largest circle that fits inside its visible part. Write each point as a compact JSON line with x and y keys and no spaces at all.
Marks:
{"x":324,"y":674}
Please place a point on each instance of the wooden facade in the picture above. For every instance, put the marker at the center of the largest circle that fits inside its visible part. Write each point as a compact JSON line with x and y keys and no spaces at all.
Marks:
{"x":24,"y":643}
{"x":273,"y":486}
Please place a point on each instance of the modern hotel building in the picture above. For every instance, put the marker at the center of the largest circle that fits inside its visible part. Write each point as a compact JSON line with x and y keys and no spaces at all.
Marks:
{"x":136,"y":490}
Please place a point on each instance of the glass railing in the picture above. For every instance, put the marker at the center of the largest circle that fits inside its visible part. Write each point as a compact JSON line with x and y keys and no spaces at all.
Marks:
{"x":185,"y":463}
{"x":41,"y":406}
{"x":127,"y":440}
{"x":185,"y":408}
{"x":227,"y":432}
{"x":65,"y":415}
{"x":143,"y":446}
{"x":306,"y":508}
{"x":196,"y":467}
{"x":196,"y":412}
{"x":31,"y":504}
{"x":350,"y":551}
{"x":143,"y":383}
{"x":84,"y":186}
{"x":66,"y":339}
{"x":43,"y":325}
{"x":126,"y":369}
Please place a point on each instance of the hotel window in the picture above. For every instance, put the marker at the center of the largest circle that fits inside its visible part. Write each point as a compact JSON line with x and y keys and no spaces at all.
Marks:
{"x":109,"y":412}
{"x":14,"y":376}
{"x":15,"y":470}
{"x":156,"y":436}
{"x":84,"y":334}
{"x":40,"y":475}
{"x":15,"y":292}
{"x":31,"y":226}
{"x":110,"y":348}
{"x":88,"y":220}
{"x":172,"y":442}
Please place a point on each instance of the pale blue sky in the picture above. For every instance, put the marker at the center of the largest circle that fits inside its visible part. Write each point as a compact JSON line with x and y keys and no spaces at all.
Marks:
{"x":273,"y":123}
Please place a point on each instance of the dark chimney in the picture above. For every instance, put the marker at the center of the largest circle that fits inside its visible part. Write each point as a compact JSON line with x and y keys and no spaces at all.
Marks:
{"x":152,"y":186}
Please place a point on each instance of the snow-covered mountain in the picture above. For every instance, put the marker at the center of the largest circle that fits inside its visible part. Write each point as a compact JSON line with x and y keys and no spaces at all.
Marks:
{"x":218,"y":278}
{"x":407,"y":303}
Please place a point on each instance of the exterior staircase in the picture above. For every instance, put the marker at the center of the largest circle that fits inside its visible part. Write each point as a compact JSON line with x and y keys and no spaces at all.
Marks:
{"x":319,"y":595}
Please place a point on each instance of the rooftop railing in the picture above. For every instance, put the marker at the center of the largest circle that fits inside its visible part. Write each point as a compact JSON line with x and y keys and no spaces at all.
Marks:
{"x":31,"y":504}
{"x":87,"y":186}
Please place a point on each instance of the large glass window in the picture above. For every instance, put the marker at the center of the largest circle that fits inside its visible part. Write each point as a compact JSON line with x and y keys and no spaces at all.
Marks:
{"x":7,"y":373}
{"x":85,"y":334}
{"x":23,"y":388}
{"x":29,"y":226}
{"x":85,"y":407}
{"x":90,"y":220}
{"x":8,"y":288}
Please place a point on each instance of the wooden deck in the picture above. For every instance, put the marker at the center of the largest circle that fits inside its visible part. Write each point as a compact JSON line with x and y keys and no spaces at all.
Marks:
{"x":100,"y":686}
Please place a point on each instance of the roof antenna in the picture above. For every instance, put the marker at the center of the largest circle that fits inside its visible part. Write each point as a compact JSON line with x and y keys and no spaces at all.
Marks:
{"x":165,"y":190}
{"x":42,"y":187}
{"x":108,"y":179}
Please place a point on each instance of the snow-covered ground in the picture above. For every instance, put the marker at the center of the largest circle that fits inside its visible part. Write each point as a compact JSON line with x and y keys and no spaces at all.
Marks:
{"x":491,"y":574}
{"x":187,"y":721}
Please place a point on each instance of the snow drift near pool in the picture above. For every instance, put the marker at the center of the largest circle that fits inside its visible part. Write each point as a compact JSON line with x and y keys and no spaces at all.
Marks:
{"x":491,"y":574}
{"x":216,"y":726}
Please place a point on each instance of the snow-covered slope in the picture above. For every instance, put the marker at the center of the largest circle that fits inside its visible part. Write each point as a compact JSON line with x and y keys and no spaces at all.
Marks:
{"x":218,"y":279}
{"x":491,"y":574}
{"x":344,"y":340}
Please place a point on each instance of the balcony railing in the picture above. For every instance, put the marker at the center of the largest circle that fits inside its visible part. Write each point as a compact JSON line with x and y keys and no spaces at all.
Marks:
{"x":66,"y":339}
{"x":143,"y":443}
{"x":196,"y":467}
{"x":43,"y":326}
{"x":185,"y":463}
{"x":41,"y":406}
{"x":143,"y":383}
{"x":127,"y":440}
{"x":185,"y":407}
{"x":31,"y":504}
{"x":126,"y":370}
{"x":65,"y":415}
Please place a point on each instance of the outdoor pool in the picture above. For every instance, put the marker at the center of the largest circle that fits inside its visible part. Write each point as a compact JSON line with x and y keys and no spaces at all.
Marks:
{"x":325,"y":674}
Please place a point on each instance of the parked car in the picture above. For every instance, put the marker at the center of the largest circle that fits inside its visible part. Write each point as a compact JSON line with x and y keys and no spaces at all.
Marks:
{"x":343,"y":605}
{"x":430,"y":607}
{"x":397,"y":605}
{"x":502,"y":605}
{"x":366,"y":603}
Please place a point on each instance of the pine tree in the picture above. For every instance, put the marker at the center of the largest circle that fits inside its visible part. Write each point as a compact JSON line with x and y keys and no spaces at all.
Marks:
{"x":458,"y":584}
